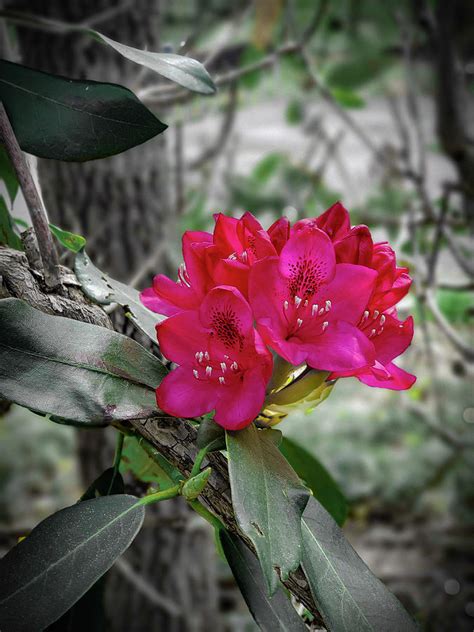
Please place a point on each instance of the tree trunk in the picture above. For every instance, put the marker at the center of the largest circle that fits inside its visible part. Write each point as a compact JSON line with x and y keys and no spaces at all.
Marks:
{"x":122,"y":205}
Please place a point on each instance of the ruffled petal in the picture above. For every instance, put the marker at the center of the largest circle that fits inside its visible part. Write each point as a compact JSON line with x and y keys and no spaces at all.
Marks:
{"x":279,"y":233}
{"x":397,"y":379}
{"x":182,"y":395}
{"x":355,"y":247}
{"x":267,"y":295}
{"x":395,"y":338}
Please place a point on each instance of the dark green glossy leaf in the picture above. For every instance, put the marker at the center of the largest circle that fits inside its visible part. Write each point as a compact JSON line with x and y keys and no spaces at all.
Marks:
{"x":210,"y":434}
{"x":44,"y":575}
{"x":67,"y":119}
{"x":70,"y":240}
{"x":268,"y":499}
{"x":8,"y":236}
{"x":349,"y":597}
{"x":7,"y":174}
{"x":317,"y":478}
{"x":184,"y":71}
{"x":270,"y":613}
{"x":147,"y":464}
{"x":72,"y":370}
{"x":108,"y":483}
{"x":100,"y":288}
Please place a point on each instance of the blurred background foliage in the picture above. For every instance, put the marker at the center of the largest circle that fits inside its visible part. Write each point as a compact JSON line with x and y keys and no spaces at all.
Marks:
{"x":318,"y":101}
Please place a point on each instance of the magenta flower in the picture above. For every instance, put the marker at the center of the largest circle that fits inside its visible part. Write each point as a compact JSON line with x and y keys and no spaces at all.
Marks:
{"x":223,"y":363}
{"x":307,"y":307}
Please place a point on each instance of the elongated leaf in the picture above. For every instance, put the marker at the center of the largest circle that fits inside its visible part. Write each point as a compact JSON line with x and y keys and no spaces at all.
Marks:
{"x":66,"y":119}
{"x":268,"y":499}
{"x":69,"y":240}
{"x":73,"y":371}
{"x":317,"y":478}
{"x":100,"y":288}
{"x":211,"y":435}
{"x":270,"y":613}
{"x":7,"y":174}
{"x":185,"y":71}
{"x":88,"y":613}
{"x":8,"y":236}
{"x":349,"y":597}
{"x":44,"y":575}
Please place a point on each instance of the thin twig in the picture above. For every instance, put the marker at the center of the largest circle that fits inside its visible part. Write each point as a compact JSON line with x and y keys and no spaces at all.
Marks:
{"x":38,"y":215}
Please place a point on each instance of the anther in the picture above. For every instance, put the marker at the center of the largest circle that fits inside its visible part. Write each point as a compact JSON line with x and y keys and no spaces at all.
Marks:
{"x":299,"y":322}
{"x":305,"y":304}
{"x":366,"y":315}
{"x":221,"y":380}
{"x":314,"y":310}
{"x":376,"y":314}
{"x":234,"y":366}
{"x":286,"y":305}
{"x":208,"y":371}
{"x":195,"y":373}
{"x":223,"y":367}
{"x":382,"y":320}
{"x":206,"y":356}
{"x":297,"y":301}
{"x":325,"y":325}
{"x":201,"y":356}
{"x":328,"y":305}
{"x":372,"y":333}
{"x":321,"y":311}
{"x":244,"y":256}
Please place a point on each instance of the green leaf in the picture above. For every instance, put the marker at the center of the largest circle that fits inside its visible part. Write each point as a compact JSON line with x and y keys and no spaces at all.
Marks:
{"x":89,"y":613}
{"x":184,"y":71}
{"x":74,"y":371}
{"x":108,"y":483}
{"x":8,"y":236}
{"x":147,"y":464}
{"x":69,"y":240}
{"x":7,"y":174}
{"x":294,"y":112}
{"x":347,"y":594}
{"x":348,"y":98}
{"x":268,"y":499}
{"x":100,"y":288}
{"x":210,"y":434}
{"x":357,"y":70}
{"x":267,"y":167}
{"x":317,"y":478}
{"x":44,"y":575}
{"x":270,"y":613}
{"x":67,"y":119}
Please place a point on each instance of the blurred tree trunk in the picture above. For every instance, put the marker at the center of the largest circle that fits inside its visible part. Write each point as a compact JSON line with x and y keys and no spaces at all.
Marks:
{"x":122,"y":205}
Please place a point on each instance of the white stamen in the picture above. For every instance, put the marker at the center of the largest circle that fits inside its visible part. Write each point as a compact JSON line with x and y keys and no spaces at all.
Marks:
{"x":244,"y":256}
{"x":226,"y":357}
{"x":297,"y":301}
{"x":206,"y":356}
{"x":232,"y":257}
{"x":376,"y":314}
{"x":223,"y":367}
{"x":299,"y":322}
{"x":314,"y":309}
{"x":382,"y":320}
{"x":328,"y":305}
{"x":221,"y":380}
{"x":366,"y":315}
{"x":286,"y":305}
{"x":201,"y":356}
{"x":325,"y":325}
{"x":195,"y":373}
{"x":372,"y":333}
{"x":400,"y":326}
{"x":380,"y":330}
{"x":234,"y":366}
{"x":197,"y":355}
{"x":208,"y":371}
{"x":321,"y":311}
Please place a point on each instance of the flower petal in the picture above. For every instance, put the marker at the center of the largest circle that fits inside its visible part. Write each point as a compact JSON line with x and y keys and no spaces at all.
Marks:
{"x":279,"y":233}
{"x":355,"y":247}
{"x":268,"y":292}
{"x":349,"y":292}
{"x":342,"y":347}
{"x":167,"y":297}
{"x":239,"y":405}
{"x":182,"y":395}
{"x":398,"y":380}
{"x":394,"y":339}
{"x":181,"y":336}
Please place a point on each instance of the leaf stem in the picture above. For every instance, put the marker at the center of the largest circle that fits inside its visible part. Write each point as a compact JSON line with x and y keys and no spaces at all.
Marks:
{"x":49,"y":256}
{"x":166,"y":494}
{"x":198,"y":462}
{"x":206,"y":514}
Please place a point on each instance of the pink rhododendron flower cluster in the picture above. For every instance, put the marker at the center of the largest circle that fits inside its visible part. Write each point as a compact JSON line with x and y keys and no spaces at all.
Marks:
{"x":318,"y":293}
